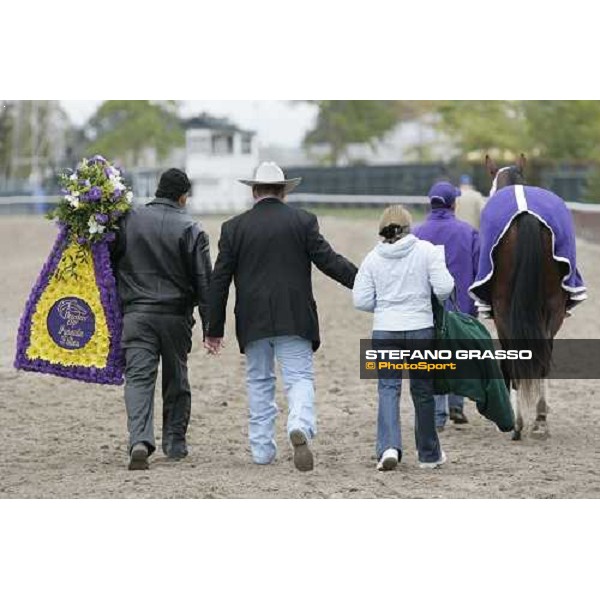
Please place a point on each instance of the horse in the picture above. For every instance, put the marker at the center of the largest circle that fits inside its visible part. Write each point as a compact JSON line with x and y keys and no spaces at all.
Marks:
{"x":528,"y":303}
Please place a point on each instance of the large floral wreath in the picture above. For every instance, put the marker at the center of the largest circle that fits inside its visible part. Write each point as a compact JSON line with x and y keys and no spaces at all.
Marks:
{"x":71,"y":325}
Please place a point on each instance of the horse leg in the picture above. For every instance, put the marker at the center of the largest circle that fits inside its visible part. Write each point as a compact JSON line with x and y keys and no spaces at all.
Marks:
{"x":555,"y":310}
{"x":514,"y":400}
{"x":540,"y":430}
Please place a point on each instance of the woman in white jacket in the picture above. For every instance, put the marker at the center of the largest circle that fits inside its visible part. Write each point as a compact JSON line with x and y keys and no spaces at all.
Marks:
{"x":395,"y":282}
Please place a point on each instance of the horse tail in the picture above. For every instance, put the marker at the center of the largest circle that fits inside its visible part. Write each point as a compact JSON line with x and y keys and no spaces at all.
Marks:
{"x":526,"y":318}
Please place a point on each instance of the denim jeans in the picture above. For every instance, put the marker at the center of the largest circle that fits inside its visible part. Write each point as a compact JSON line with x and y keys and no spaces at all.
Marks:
{"x":443,"y":404}
{"x":295,"y":357}
{"x":421,"y":389}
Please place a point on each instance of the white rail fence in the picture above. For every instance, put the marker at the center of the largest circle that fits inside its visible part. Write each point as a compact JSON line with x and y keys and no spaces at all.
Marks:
{"x":585,"y":215}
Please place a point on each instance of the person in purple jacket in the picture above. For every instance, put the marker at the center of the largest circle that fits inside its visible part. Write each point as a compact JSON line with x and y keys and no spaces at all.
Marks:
{"x":461,"y":245}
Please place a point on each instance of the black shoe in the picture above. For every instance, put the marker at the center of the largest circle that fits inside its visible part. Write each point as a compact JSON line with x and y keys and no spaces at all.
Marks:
{"x":175,"y":448}
{"x":303,"y":458}
{"x":138,"y":459}
{"x":458,"y":416}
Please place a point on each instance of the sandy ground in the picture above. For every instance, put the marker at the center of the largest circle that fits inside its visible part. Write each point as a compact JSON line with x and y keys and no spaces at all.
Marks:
{"x":64,"y":439}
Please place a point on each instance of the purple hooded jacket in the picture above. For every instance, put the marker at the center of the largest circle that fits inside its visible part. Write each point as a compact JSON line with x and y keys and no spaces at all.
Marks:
{"x":461,"y":244}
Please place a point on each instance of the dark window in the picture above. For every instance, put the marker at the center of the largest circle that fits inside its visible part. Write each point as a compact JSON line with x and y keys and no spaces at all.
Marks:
{"x":246,"y":143}
{"x":222,"y":143}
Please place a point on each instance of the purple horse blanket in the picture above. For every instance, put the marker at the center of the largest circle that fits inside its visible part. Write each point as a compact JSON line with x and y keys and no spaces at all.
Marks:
{"x":497,"y":216}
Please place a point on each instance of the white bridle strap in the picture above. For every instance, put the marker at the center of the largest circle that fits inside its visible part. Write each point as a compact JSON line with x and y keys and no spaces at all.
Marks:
{"x":494,"y":183}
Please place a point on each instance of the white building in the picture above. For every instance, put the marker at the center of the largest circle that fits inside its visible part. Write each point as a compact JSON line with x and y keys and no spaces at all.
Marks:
{"x":218,"y":154}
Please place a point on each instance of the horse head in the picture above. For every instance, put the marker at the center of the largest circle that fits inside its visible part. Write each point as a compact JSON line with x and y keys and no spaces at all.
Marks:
{"x":72,"y":311}
{"x":511,"y":175}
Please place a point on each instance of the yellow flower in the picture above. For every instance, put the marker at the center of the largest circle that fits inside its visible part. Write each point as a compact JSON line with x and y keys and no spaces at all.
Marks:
{"x":95,"y":352}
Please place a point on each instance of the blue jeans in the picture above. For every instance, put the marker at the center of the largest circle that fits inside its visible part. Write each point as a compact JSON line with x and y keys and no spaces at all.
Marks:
{"x":421,"y":390}
{"x":443,"y":404}
{"x":295,"y":357}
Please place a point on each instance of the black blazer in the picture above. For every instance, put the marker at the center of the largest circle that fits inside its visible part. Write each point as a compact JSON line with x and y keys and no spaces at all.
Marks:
{"x":268,"y":251}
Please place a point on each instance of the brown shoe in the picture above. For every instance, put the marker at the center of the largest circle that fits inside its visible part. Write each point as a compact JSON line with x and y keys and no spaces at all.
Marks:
{"x":303,"y":458}
{"x":138,"y":459}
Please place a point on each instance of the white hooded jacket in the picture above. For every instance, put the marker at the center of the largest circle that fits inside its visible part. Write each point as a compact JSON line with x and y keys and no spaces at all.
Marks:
{"x":395,"y":282}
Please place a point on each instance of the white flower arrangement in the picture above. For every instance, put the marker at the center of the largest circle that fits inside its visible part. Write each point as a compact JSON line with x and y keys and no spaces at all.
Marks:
{"x":94,"y":199}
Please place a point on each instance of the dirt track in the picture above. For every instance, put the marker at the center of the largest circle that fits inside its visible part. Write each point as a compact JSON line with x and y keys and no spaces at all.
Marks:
{"x":64,"y":439}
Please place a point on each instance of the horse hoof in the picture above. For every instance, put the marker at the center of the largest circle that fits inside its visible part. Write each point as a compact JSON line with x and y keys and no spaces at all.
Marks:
{"x":516,"y":436}
{"x":540,"y":433}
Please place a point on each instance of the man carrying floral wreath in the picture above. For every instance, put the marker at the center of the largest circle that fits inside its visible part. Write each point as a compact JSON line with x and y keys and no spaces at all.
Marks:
{"x":162,"y":265}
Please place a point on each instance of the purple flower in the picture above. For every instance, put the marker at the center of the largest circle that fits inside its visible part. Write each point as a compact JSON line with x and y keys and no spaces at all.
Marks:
{"x":81,"y":240}
{"x":97,"y":160}
{"x":94,"y":194}
{"x":117,"y":194}
{"x":116,"y":214}
{"x":110,"y":237}
{"x":101,"y":219}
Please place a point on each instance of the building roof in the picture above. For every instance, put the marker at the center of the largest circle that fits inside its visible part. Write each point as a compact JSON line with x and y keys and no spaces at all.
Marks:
{"x":206,"y":121}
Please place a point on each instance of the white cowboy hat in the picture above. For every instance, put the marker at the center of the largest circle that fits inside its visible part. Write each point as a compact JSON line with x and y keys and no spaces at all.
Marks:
{"x":271,"y":174}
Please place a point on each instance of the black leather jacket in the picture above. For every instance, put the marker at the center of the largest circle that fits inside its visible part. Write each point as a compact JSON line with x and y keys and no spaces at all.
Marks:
{"x":161,"y":260}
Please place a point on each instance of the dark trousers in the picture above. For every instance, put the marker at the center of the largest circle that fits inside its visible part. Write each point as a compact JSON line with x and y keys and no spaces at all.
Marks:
{"x":147,"y":339}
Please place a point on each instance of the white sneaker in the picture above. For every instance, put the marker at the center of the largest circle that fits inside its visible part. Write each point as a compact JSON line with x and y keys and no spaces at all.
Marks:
{"x":434,"y":465}
{"x":389,"y":460}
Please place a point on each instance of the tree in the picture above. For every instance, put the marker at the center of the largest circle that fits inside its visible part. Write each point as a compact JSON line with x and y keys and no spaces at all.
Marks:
{"x":123,"y":129}
{"x":413,"y":110}
{"x":343,"y":122}
{"x":34,"y":136}
{"x":486,"y":126}
{"x":554,"y":130}
{"x":564,"y":130}
{"x":6,"y":128}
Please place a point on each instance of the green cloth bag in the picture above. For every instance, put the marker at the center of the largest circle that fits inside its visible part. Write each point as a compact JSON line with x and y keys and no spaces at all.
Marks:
{"x":458,"y":331}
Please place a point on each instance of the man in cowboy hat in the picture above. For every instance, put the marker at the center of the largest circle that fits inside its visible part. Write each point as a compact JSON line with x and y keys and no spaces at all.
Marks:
{"x":268,"y":251}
